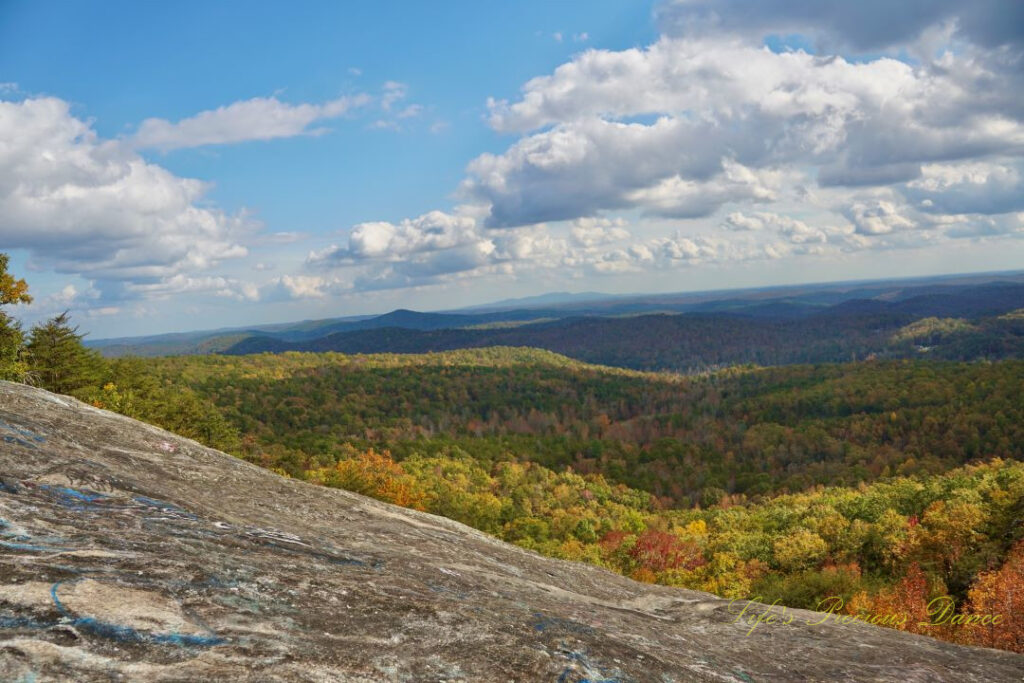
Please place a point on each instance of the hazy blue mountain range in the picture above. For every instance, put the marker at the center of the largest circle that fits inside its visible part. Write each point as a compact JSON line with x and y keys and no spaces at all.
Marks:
{"x":682,"y":332}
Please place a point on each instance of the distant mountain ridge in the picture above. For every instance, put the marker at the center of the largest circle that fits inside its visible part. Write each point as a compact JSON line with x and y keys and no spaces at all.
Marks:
{"x":773,"y":333}
{"x":769,"y":315}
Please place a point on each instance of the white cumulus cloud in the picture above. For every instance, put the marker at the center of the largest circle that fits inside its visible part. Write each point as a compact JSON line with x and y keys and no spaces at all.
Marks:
{"x":81,"y":204}
{"x":260,"y":118}
{"x":724,"y":118}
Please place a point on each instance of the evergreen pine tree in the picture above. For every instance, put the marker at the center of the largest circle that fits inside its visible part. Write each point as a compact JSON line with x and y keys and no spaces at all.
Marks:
{"x":57,"y":359}
{"x":12,"y":343}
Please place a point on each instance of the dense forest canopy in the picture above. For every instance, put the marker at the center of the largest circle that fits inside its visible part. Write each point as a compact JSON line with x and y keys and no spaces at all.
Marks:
{"x":887,"y":485}
{"x":747,"y":431}
{"x":881,"y":487}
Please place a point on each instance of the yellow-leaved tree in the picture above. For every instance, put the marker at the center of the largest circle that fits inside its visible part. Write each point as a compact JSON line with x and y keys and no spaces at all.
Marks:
{"x":12,"y":340}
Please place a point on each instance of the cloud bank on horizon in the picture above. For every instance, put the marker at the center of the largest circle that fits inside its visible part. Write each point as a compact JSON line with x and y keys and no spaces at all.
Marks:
{"x":745,"y":133}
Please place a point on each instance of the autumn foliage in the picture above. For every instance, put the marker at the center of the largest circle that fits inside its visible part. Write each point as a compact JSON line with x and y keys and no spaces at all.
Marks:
{"x":713,"y":483}
{"x":372,"y":474}
{"x":886,"y":485}
{"x":907,"y":601}
{"x":12,"y":291}
{"x":658,"y":551}
{"x":1000,"y":592}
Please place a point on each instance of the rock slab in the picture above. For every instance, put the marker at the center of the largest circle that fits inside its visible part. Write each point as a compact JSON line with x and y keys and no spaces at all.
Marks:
{"x":128,"y":553}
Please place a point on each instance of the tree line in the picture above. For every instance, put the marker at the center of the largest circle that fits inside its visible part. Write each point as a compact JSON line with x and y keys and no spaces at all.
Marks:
{"x":871,"y":488}
{"x":52,"y":356}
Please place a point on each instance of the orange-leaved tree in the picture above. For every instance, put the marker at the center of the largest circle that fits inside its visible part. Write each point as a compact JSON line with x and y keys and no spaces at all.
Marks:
{"x":904,"y":606}
{"x":998,"y":595}
{"x":372,"y":474}
{"x":12,"y":291}
{"x":12,"y":340}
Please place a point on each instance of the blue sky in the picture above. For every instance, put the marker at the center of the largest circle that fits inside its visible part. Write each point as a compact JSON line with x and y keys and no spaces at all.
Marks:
{"x":119,"y":63}
{"x":169,"y":166}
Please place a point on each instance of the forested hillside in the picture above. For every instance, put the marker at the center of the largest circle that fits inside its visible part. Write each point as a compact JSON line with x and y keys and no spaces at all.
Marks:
{"x":871,"y":488}
{"x":664,"y":478}
{"x":747,"y":431}
{"x":199,"y":567}
{"x":883,"y":484}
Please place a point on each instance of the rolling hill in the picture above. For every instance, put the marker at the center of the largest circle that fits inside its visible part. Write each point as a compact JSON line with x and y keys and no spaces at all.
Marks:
{"x":772,"y":333}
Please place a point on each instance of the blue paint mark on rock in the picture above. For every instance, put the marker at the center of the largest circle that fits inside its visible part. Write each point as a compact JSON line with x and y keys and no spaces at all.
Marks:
{"x":590,"y":669}
{"x":6,"y":531}
{"x":127,"y":634}
{"x":23,"y":436}
{"x":7,"y":621}
{"x":81,"y":501}
{"x":164,"y":507}
{"x":18,"y":442}
{"x":14,"y":538}
{"x":75,"y":494}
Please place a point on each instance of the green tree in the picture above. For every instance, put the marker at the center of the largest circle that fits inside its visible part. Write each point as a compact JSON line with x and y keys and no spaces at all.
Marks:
{"x":57,"y":359}
{"x":799,"y":550}
{"x":12,"y":343}
{"x":184,"y":413}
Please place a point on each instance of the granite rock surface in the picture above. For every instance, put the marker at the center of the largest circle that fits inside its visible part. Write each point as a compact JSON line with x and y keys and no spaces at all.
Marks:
{"x":128,"y":553}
